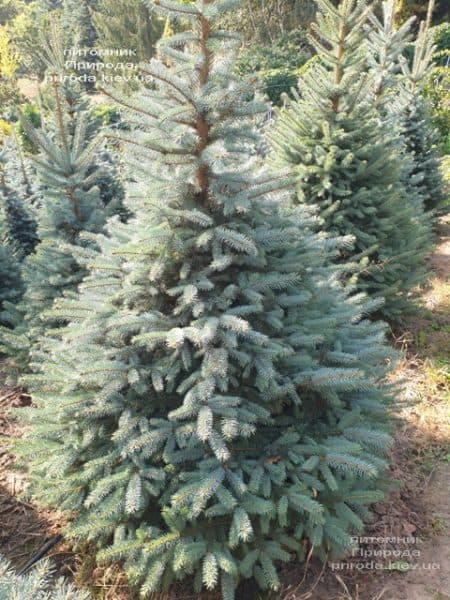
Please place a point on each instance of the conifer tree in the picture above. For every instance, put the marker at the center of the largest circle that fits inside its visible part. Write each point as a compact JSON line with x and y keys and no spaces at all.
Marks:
{"x":131,"y":23}
{"x":420,"y":136}
{"x":10,"y":281}
{"x":17,"y":231}
{"x":386,"y":45}
{"x":399,"y":101}
{"x":213,"y":407}
{"x":347,"y":165}
{"x":76,"y":23}
{"x":17,"y":197}
{"x":69,"y":207}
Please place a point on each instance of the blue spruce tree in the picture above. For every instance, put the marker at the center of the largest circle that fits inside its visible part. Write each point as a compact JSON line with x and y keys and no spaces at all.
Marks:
{"x":399,"y":101}
{"x":348,"y":166}
{"x":386,"y":44}
{"x":418,"y":131}
{"x":69,"y":207}
{"x":214,"y":406}
{"x":16,"y":198}
{"x":10,"y":280}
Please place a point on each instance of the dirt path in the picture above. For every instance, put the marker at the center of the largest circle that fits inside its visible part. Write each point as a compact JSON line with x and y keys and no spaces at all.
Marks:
{"x":429,"y":577}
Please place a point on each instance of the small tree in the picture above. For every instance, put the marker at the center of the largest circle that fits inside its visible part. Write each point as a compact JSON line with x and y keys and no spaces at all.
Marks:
{"x":10,"y":282}
{"x":76,"y":23}
{"x":397,"y":95}
{"x":70,"y":206}
{"x":418,"y":131}
{"x":17,"y":196}
{"x":386,"y":45}
{"x":347,"y":164}
{"x":17,"y":228}
{"x":214,"y":405}
{"x":131,"y":23}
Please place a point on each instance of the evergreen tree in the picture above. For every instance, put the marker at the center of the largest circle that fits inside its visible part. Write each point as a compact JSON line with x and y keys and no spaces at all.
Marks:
{"x":76,"y":23}
{"x":421,"y":8}
{"x":17,"y":229}
{"x":347,"y":164}
{"x":386,"y":45}
{"x":10,"y":282}
{"x":130,"y":23}
{"x":16,"y":188}
{"x":214,"y":405}
{"x":398,"y":100}
{"x":420,"y":136}
{"x":70,"y":206}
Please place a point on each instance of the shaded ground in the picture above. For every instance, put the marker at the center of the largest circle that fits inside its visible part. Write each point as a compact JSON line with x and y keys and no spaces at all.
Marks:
{"x":410,"y":528}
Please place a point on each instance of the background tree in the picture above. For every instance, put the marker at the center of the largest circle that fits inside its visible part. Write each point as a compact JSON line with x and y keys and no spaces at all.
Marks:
{"x":24,"y":20}
{"x":9,"y":91}
{"x":127,"y":24}
{"x":436,"y":86}
{"x":70,"y":206}
{"x":277,"y":66}
{"x":10,"y":281}
{"x":213,"y":405}
{"x":263,"y":23}
{"x":419,"y":134}
{"x":419,"y":9}
{"x":76,"y":22}
{"x":17,"y":186}
{"x":346,"y":162}
{"x":386,"y":45}
{"x":275,"y":43}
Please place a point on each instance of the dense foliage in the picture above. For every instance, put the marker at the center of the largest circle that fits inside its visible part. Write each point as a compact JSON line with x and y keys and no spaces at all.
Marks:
{"x":70,"y":205}
{"x":436,"y":89}
{"x":419,"y":134}
{"x":10,"y":280}
{"x":397,"y":86}
{"x":130,"y":24}
{"x":196,"y":316}
{"x":17,"y":196}
{"x":347,"y":161}
{"x":277,"y":66}
{"x":215,"y":403}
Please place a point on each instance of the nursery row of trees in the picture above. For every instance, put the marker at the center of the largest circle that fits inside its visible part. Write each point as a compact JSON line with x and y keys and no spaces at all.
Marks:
{"x":198,"y":310}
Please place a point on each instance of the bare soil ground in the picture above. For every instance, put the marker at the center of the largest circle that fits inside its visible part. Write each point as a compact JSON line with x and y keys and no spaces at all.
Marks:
{"x":410,"y":529}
